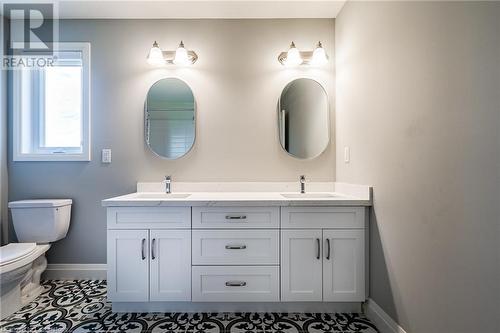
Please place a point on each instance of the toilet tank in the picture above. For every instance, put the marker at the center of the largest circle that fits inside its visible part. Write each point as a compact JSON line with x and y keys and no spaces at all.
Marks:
{"x":41,"y":221}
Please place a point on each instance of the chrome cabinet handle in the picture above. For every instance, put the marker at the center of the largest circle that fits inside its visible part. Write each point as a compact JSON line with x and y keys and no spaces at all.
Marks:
{"x":328,"y":249}
{"x":236,"y":217}
{"x":236,"y":283}
{"x":318,"y":250}
{"x":143,"y":248}
{"x":153,"y":256}
{"x":236,"y":247}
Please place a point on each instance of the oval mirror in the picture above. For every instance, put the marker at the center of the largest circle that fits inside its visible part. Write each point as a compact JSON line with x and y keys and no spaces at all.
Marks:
{"x":303,"y":119}
{"x":170,"y":118}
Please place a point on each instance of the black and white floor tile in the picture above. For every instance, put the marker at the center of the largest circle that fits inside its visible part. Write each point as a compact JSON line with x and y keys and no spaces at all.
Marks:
{"x":81,"y":306}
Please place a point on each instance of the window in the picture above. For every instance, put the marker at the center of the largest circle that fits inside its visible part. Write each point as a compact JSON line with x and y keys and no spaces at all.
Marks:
{"x":51,"y":108}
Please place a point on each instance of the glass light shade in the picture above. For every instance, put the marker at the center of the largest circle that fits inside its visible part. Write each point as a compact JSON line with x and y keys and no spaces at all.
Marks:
{"x":319,"y":57}
{"x":181,"y":56}
{"x":293,"y":57}
{"x":155,"y":56}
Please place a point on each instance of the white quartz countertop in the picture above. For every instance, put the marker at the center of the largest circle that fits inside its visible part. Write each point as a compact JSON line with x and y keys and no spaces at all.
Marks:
{"x":353,"y":197}
{"x":231,"y":199}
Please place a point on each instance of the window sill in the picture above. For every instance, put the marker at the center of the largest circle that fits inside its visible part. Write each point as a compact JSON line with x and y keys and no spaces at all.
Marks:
{"x":52,"y":158}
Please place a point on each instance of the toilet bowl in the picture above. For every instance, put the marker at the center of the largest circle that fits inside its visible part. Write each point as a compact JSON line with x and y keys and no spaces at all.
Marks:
{"x":21,"y":265}
{"x":37,"y":223}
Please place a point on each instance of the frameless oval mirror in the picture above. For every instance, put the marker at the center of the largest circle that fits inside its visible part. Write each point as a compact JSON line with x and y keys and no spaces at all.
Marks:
{"x":303,"y":118}
{"x":170,"y":118}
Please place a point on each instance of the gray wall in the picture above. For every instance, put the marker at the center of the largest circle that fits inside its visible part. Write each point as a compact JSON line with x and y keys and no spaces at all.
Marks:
{"x":236,"y":82}
{"x":418,"y":102}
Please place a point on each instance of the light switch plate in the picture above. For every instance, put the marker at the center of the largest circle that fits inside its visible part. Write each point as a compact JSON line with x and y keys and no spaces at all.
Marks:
{"x":106,"y":156}
{"x":347,"y":154}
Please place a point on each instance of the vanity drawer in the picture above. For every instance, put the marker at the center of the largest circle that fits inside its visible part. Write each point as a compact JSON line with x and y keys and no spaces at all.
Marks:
{"x":235,"y":217}
{"x":235,"y":247}
{"x":235,"y":283}
{"x":322,"y":217}
{"x":149,"y":217}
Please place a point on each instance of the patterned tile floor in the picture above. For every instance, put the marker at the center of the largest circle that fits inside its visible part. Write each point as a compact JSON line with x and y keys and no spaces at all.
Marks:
{"x":81,"y":306}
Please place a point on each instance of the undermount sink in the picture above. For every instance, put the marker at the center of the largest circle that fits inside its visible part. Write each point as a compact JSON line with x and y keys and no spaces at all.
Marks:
{"x":161,"y":196}
{"x":307,"y":195}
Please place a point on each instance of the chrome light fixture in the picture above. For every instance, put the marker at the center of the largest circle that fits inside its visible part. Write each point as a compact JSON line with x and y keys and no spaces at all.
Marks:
{"x":319,"y":57}
{"x":179,"y":57}
{"x":155,"y":56}
{"x":293,"y":57}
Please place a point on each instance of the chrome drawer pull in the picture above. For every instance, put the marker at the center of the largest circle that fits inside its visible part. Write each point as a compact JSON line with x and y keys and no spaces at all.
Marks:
{"x":153,"y":256}
{"x":328,"y":247}
{"x":143,"y":248}
{"x":236,"y":247}
{"x":236,"y":217}
{"x":236,"y":283}
{"x":318,"y":253}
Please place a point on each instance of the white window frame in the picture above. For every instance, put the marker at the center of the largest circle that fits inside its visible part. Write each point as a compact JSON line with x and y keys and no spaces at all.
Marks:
{"x":54,"y":154}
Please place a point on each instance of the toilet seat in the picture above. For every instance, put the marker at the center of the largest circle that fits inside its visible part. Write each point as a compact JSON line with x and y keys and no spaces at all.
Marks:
{"x":15,"y":251}
{"x":15,"y":255}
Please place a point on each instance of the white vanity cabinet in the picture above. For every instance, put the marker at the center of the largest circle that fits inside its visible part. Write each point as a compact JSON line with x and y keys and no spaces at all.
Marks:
{"x":324,"y":260}
{"x":149,"y":264}
{"x":210,"y":254}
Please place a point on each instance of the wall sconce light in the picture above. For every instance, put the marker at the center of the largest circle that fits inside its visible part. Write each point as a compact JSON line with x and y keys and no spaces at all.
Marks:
{"x":180,"y":57}
{"x":294,"y":57}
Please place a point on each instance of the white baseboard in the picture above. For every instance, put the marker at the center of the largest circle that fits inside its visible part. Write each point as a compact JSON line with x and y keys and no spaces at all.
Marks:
{"x":381,"y":319}
{"x":75,"y":272}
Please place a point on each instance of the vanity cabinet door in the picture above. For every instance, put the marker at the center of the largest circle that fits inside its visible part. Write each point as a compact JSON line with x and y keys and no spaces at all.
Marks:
{"x":128,"y":265}
{"x":301,"y":265}
{"x":343,"y":266}
{"x":170,"y":265}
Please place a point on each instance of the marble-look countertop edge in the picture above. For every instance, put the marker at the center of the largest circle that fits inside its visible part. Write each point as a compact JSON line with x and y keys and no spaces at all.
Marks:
{"x":302,"y":203}
{"x":228,"y":202}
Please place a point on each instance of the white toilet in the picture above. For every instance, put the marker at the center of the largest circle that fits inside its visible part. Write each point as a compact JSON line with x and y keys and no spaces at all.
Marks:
{"x":37,"y":223}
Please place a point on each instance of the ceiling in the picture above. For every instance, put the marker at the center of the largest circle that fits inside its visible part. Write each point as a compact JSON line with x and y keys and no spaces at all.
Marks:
{"x":190,"y":9}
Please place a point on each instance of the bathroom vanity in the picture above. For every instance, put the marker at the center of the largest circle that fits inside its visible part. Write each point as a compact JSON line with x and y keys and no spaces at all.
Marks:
{"x":238,"y":246}
{"x":237,"y":251}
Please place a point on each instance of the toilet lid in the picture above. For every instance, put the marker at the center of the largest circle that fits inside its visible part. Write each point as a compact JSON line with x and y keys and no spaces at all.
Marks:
{"x":14,"y":251}
{"x":37,"y":203}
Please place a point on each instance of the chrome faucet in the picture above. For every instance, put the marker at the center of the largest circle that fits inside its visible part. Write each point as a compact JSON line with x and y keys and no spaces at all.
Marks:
{"x":302,"y":181}
{"x":168,"y":182}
